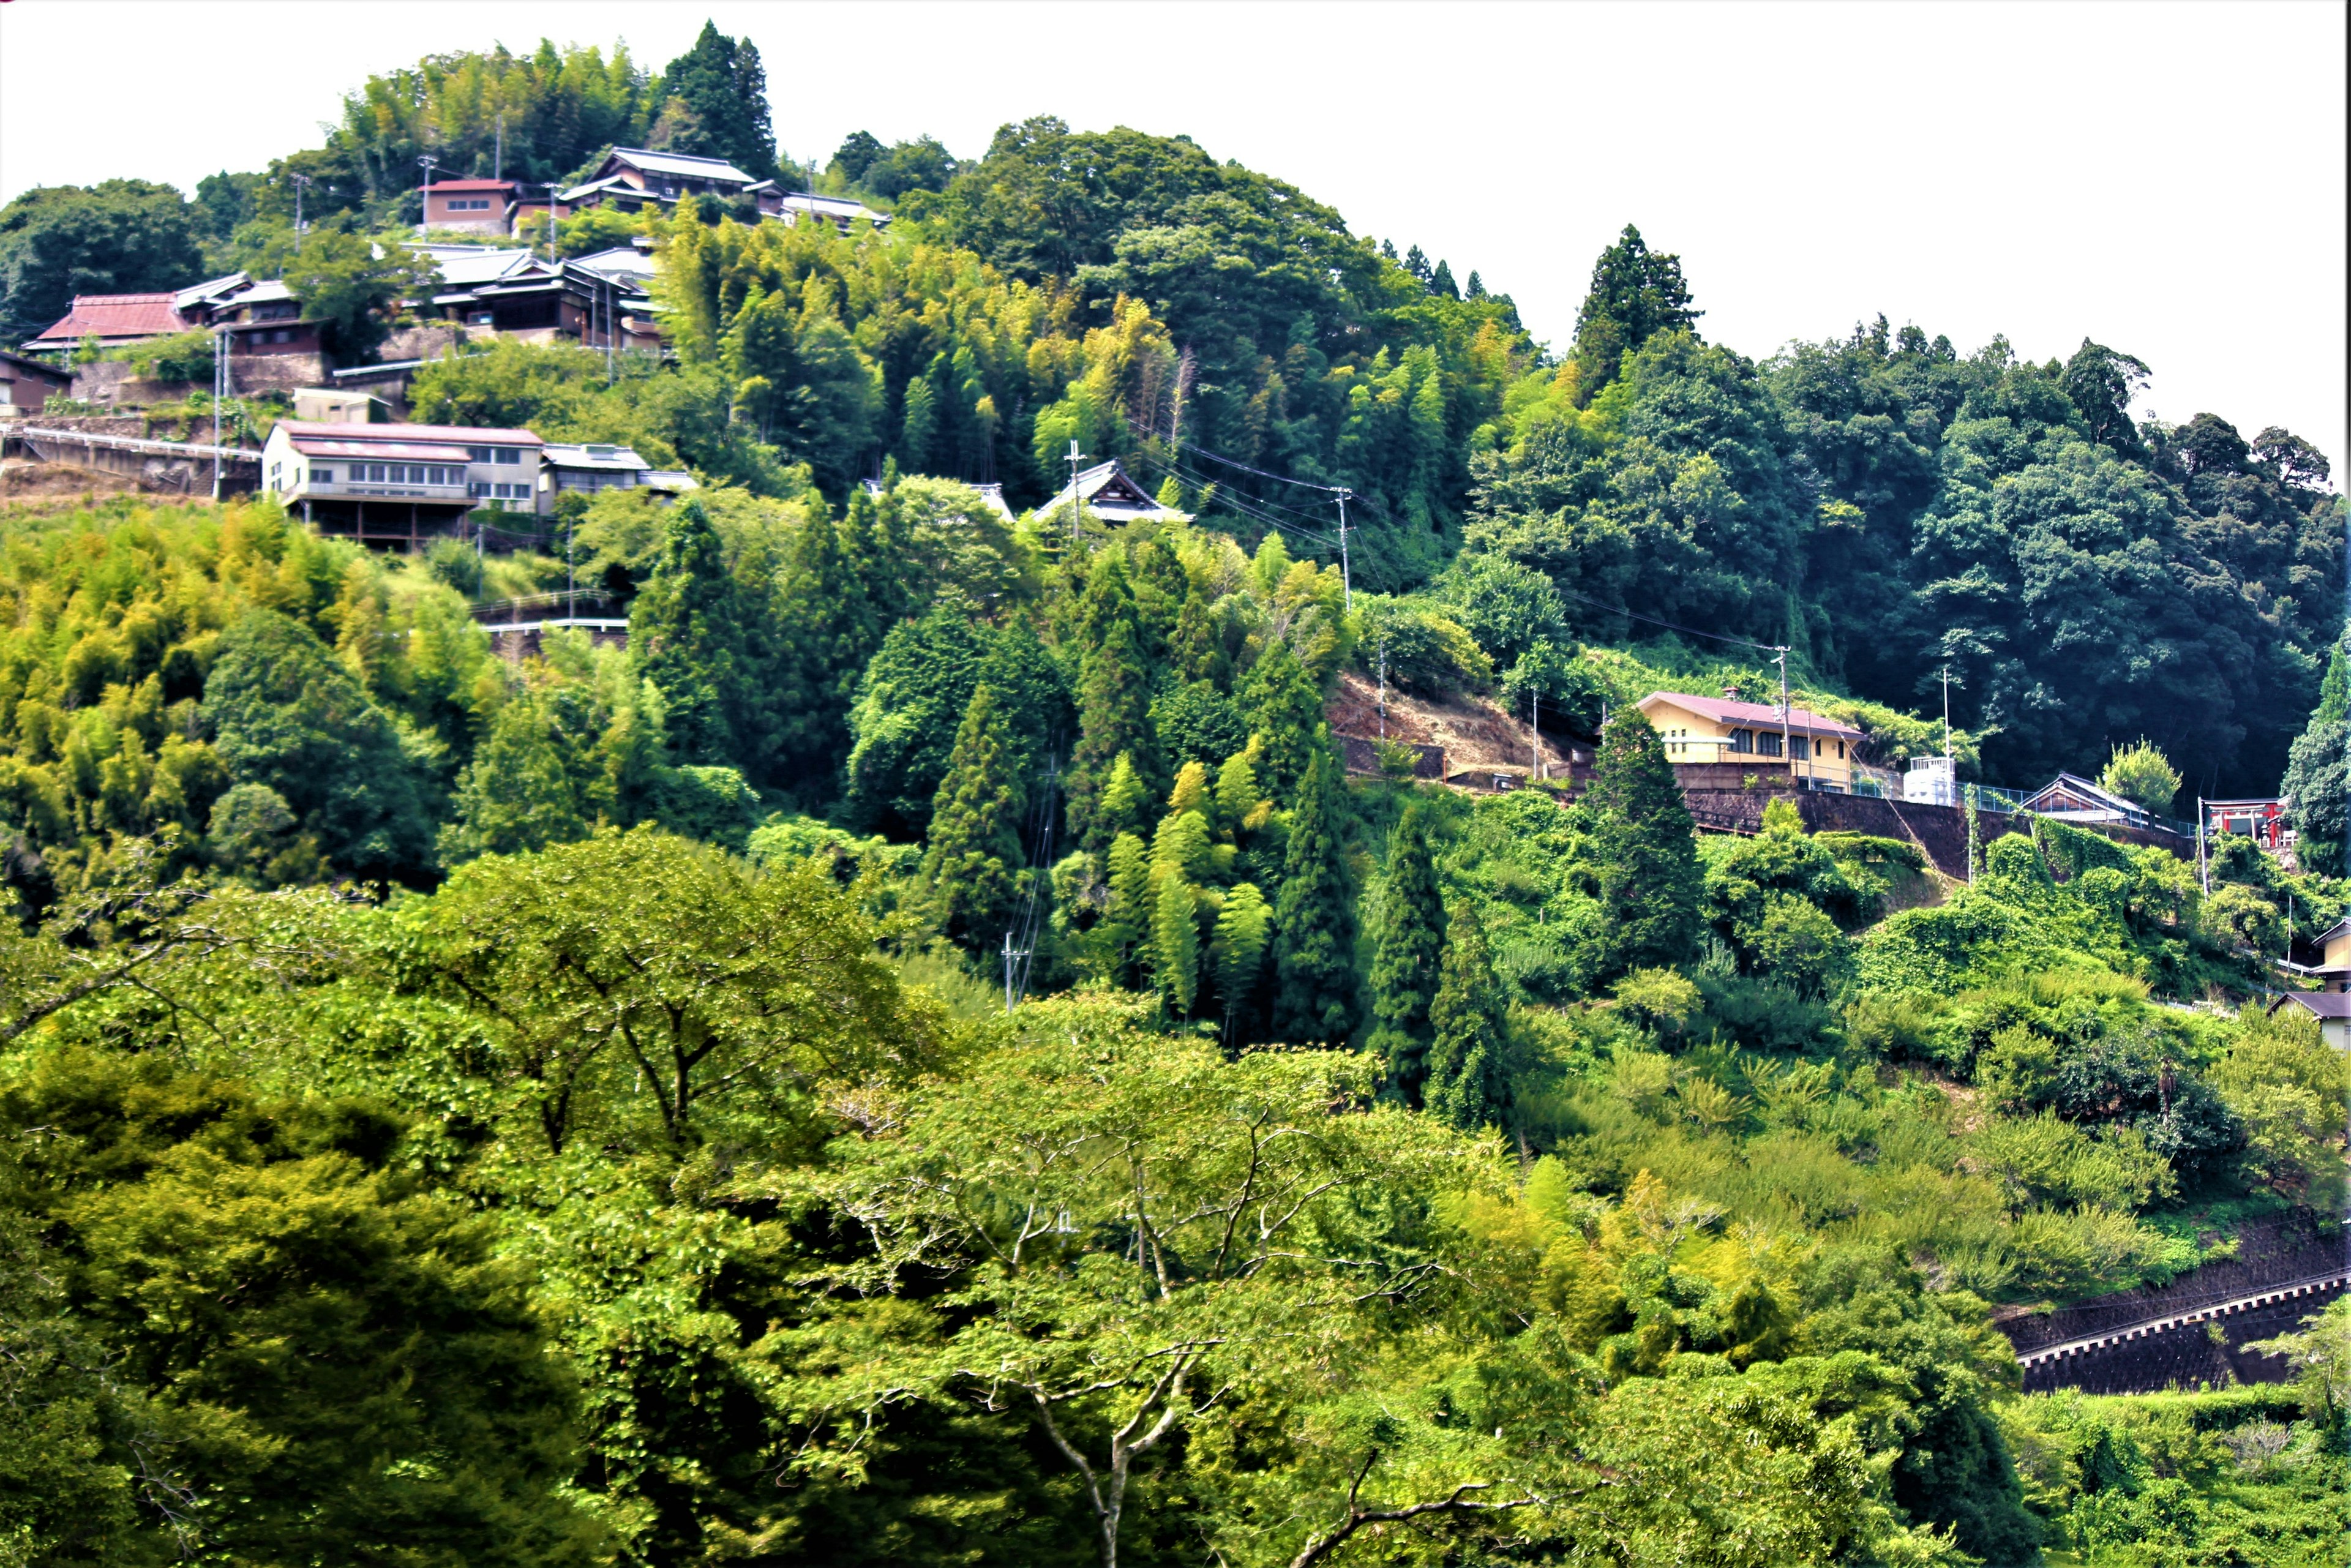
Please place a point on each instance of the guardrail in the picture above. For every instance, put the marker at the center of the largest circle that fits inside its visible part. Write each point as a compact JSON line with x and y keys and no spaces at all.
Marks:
{"x":137,"y":443}
{"x":2146,"y":1328}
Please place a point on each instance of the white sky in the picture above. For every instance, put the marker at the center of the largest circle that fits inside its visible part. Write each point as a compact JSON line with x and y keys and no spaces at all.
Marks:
{"x":2167,"y":179}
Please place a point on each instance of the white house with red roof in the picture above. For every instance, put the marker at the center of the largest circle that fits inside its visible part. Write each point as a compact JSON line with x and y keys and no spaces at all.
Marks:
{"x":1817,"y":751}
{"x":393,"y":482}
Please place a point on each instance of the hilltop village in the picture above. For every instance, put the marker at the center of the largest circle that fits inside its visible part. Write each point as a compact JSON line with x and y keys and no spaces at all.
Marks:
{"x":1033,"y":858}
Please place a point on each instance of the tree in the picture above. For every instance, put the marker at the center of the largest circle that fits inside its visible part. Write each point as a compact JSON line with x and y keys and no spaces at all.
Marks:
{"x":305,"y":1351}
{"x":519,"y":792}
{"x":122,"y":236}
{"x":1469,"y":1021}
{"x":2142,"y":775}
{"x":1314,"y":917}
{"x":914,"y":696}
{"x":1284,"y":706}
{"x":1113,"y":696}
{"x":1243,"y":926}
{"x":1408,"y":949}
{"x":1634,"y":295}
{"x":686,"y":635}
{"x":723,"y":90}
{"x":2314,"y":771}
{"x":1640,"y":850}
{"x":640,"y":983}
{"x":353,"y":284}
{"x":2102,"y":381}
{"x":285,"y":713}
{"x":973,"y":867}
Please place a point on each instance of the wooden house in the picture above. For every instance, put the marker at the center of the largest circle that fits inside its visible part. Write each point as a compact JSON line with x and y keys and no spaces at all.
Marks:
{"x":1713,"y":742}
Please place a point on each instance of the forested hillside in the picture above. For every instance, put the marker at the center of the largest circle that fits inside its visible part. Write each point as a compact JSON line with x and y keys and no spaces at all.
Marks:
{"x":927,"y":1054}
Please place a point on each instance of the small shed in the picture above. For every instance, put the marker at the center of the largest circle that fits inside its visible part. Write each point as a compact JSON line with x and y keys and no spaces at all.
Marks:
{"x":2070,"y":798}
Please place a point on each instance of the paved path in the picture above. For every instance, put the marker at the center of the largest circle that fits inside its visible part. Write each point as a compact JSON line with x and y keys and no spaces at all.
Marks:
{"x":2147,"y":1327}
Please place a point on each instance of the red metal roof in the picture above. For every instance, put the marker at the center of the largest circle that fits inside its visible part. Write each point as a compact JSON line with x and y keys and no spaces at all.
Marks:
{"x":117,"y":316}
{"x":1763,"y":715}
{"x":377,"y":451}
{"x":451,"y":434}
{"x":472,"y":185}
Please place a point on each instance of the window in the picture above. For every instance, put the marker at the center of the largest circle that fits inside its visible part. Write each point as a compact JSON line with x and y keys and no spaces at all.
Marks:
{"x":1840,"y":751}
{"x":508,"y":453}
{"x":1767,"y":744}
{"x":283,"y":335}
{"x":1742,"y":741}
{"x":478,"y":489}
{"x":477,"y":453}
{"x":276,"y":479}
{"x":1799,"y":748}
{"x":375,"y":473}
{"x":323,"y":475}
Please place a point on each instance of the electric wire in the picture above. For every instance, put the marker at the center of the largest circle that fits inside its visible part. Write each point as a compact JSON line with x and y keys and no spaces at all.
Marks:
{"x":1669,"y":625}
{"x":1243,"y":505}
{"x":1279,"y":479}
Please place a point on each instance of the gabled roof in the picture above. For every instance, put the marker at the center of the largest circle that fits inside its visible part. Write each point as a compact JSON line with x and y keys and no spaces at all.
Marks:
{"x":2321,"y":1004}
{"x":490,"y":266}
{"x":609,"y":182}
{"x":471,"y":185}
{"x":1106,"y":488}
{"x":841,"y":209}
{"x":104,"y":316}
{"x":596,"y":455}
{"x":37,"y":367}
{"x":1763,"y":716}
{"x":270,"y":292}
{"x":377,"y":448}
{"x":2094,"y":800}
{"x":675,"y":164}
{"x":210,"y":292}
{"x":622,"y":261}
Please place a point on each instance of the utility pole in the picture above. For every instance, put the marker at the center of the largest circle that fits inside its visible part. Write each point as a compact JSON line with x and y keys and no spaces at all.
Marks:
{"x":2203,"y":867}
{"x":220,"y":384}
{"x":498,"y":161}
{"x":552,"y":186}
{"x":301,"y":182}
{"x":1534,"y":720}
{"x":1384,"y":682}
{"x":1076,"y":507}
{"x":1786,"y":756}
{"x":1346,"y":577}
{"x":425,"y":192}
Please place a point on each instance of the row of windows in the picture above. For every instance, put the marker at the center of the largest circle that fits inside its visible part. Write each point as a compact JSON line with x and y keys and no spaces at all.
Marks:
{"x":495,"y":453}
{"x":396,"y":473}
{"x":283,"y":335}
{"x":468,"y":205}
{"x":485,"y":490}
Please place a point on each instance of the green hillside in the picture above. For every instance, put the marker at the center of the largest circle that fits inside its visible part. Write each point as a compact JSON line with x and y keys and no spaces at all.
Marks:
{"x":568,"y":1109}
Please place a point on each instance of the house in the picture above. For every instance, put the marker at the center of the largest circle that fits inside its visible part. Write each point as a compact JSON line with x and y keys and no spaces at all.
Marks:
{"x":264,"y":319}
{"x":2331,"y":1008}
{"x":116,"y":321}
{"x":389,"y":483}
{"x":339,"y":405}
{"x":633,"y":178}
{"x":2070,"y":798}
{"x":791,"y":206}
{"x":508,"y":292}
{"x":1106,"y":492}
{"x":199,"y":302}
{"x":484,"y":204}
{"x":586,"y":469}
{"x":27,"y":385}
{"x":1814,"y":752}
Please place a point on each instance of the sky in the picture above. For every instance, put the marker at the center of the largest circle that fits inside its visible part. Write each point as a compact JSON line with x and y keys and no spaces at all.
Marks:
{"x":2164,"y":179}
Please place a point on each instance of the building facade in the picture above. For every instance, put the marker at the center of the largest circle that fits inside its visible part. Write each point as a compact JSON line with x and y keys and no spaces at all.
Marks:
{"x":487,"y":205}
{"x":1815,"y":752}
{"x":393,"y":483}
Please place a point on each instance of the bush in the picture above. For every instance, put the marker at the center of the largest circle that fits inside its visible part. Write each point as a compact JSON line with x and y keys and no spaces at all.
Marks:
{"x":1428,"y":652}
{"x":457,"y":563}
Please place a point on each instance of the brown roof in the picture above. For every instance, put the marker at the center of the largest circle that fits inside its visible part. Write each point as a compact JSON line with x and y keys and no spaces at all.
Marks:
{"x":2322,"y":1004}
{"x":1765,"y":715}
{"x":472,"y":185}
{"x":451,"y":434}
{"x":117,"y":316}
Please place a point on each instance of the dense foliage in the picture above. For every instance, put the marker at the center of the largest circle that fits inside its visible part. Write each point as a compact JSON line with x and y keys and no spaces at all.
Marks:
{"x":936,"y":1052}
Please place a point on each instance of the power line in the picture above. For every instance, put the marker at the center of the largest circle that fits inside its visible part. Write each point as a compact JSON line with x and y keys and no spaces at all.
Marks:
{"x":1671,"y":625}
{"x":1277,"y":478}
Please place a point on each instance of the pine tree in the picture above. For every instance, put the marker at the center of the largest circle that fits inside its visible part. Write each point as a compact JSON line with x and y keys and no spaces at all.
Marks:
{"x":1641,"y":849}
{"x":1466,"y":1020}
{"x":831,"y":626}
{"x":971,"y":873}
{"x":723,"y":88}
{"x":686,"y":635}
{"x":1314,"y":919}
{"x":1409,"y":945}
{"x":1285,"y":707}
{"x":1113,"y":697}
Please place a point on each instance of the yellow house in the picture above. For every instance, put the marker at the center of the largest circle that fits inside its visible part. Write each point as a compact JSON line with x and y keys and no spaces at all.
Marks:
{"x":1723,"y":730}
